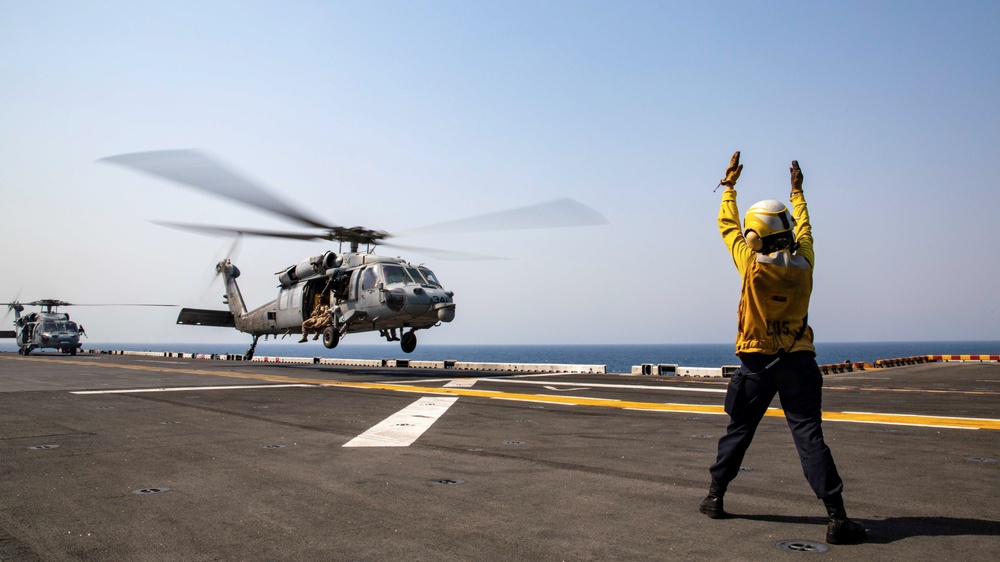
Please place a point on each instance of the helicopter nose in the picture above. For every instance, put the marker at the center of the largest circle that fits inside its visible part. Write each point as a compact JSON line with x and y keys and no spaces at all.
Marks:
{"x":445,"y":311}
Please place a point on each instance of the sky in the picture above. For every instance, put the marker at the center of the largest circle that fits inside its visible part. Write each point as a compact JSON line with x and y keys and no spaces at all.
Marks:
{"x":396,"y":115}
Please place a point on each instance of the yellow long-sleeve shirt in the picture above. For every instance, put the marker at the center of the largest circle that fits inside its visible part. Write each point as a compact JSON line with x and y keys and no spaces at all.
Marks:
{"x":776,"y":287}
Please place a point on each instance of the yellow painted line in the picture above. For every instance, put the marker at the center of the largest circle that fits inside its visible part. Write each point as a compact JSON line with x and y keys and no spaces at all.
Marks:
{"x":858,"y":417}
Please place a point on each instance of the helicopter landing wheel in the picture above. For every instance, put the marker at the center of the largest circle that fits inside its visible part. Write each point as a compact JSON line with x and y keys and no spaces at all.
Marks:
{"x":72,"y":351}
{"x":331,"y":337}
{"x":408,"y":342}
{"x":27,"y":350}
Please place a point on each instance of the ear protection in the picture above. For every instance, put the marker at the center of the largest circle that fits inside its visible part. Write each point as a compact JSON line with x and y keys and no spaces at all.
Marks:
{"x":754,"y":241}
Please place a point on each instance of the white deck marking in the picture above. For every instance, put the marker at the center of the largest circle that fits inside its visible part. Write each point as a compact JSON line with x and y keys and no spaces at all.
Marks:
{"x":461,"y":383}
{"x":405,"y":426}
{"x":190,"y":388}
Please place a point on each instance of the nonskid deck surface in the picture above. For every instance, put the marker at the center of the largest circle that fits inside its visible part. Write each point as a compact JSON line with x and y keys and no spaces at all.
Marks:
{"x":142,"y":458}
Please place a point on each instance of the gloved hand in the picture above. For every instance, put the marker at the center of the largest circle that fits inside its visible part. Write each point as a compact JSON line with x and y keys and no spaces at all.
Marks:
{"x":796,"y":177}
{"x":732,"y":172}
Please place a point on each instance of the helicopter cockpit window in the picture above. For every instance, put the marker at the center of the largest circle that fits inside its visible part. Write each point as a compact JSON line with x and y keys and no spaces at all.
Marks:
{"x":415,"y":275}
{"x":430,"y":277}
{"x":395,"y":275}
{"x":48,"y":326}
{"x":368,"y":279}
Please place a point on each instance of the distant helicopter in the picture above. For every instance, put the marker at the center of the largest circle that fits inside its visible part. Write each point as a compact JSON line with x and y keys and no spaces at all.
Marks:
{"x":49,"y":328}
{"x":335,"y":294}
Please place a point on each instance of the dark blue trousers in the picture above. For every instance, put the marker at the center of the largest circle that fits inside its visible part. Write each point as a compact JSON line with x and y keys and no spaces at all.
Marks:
{"x":796,"y":379}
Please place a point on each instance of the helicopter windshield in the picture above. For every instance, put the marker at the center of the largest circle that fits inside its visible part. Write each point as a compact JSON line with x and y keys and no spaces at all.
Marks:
{"x":48,"y":326}
{"x":429,"y":276}
{"x":395,"y":275}
{"x":415,"y":275}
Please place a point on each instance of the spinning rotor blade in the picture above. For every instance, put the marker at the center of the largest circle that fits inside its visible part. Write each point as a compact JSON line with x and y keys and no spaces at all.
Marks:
{"x":10,"y":306}
{"x":443,"y":254}
{"x":115,"y":304}
{"x":553,"y":214}
{"x":227,"y":254}
{"x":199,"y":171}
{"x":226,"y":231}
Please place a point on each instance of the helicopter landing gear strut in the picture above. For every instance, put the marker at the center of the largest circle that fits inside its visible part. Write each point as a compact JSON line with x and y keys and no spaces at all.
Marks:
{"x":253,"y":346}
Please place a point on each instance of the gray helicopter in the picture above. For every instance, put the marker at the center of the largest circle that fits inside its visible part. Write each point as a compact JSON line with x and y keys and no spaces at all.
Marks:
{"x":48,"y":328}
{"x":334,"y":294}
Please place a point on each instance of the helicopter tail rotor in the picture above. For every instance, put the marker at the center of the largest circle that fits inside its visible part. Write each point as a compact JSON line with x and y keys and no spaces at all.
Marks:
{"x":226,"y":254}
{"x":12,"y":305}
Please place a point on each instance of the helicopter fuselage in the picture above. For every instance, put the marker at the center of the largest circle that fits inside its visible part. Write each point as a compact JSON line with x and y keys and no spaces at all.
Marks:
{"x":364,"y":292}
{"x":46,"y":330}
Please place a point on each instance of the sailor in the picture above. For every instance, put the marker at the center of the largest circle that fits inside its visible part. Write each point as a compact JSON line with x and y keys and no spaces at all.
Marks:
{"x":773,"y":253}
{"x":321,"y":316}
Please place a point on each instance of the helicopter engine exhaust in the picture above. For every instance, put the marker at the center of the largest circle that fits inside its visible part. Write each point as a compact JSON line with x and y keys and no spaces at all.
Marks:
{"x":316,"y":265}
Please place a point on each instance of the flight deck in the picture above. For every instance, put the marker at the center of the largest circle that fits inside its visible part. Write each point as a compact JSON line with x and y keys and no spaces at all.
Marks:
{"x":119,"y":457}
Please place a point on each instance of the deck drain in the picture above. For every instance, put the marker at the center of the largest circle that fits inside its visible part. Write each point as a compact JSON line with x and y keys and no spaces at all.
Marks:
{"x":42,"y":447}
{"x":746,"y":469}
{"x":514,"y":442}
{"x":886,"y":431}
{"x":811,"y":547}
{"x":271,"y":446}
{"x":147,"y":491}
{"x":475,"y":450}
{"x":105,"y":408}
{"x":169,"y":422}
{"x":447,"y":482}
{"x":701,"y":436}
{"x":355,"y":421}
{"x":260,"y":407}
{"x":981,"y":459}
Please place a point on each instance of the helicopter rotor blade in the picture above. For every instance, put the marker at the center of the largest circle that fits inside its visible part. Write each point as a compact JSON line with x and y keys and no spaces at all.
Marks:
{"x":198,"y":170}
{"x":115,"y":304}
{"x":443,"y":254}
{"x":229,"y":231}
{"x":214,"y":275}
{"x":11,"y":305}
{"x":557,"y":213}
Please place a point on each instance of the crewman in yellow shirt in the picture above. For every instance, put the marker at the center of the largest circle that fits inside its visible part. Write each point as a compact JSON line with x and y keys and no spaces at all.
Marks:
{"x":773,"y":253}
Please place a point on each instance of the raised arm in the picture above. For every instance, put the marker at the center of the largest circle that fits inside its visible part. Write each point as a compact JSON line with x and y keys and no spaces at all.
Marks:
{"x":729,"y":217}
{"x":803,"y":230}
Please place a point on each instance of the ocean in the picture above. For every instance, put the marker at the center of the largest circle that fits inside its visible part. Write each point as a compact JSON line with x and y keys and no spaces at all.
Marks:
{"x":617,"y":358}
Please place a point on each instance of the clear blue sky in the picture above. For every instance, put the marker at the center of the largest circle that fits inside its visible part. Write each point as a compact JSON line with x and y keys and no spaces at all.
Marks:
{"x":395,"y":115}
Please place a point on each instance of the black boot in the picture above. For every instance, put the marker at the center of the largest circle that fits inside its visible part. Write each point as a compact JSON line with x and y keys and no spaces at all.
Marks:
{"x":712,"y":504}
{"x":840,"y":529}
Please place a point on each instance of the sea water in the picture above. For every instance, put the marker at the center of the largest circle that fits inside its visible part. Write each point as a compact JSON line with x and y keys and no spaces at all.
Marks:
{"x":617,"y":358}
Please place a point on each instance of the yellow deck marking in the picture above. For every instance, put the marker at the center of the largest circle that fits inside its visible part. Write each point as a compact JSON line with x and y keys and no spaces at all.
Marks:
{"x":858,"y":417}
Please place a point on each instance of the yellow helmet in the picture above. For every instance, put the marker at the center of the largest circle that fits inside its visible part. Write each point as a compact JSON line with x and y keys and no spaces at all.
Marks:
{"x":770,"y":221}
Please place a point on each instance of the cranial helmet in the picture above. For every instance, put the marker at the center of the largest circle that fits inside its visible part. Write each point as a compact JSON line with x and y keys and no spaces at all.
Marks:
{"x":768,"y":227}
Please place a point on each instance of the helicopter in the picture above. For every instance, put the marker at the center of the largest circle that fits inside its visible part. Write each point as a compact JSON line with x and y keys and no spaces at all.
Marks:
{"x":48,"y":328}
{"x":334,"y":294}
